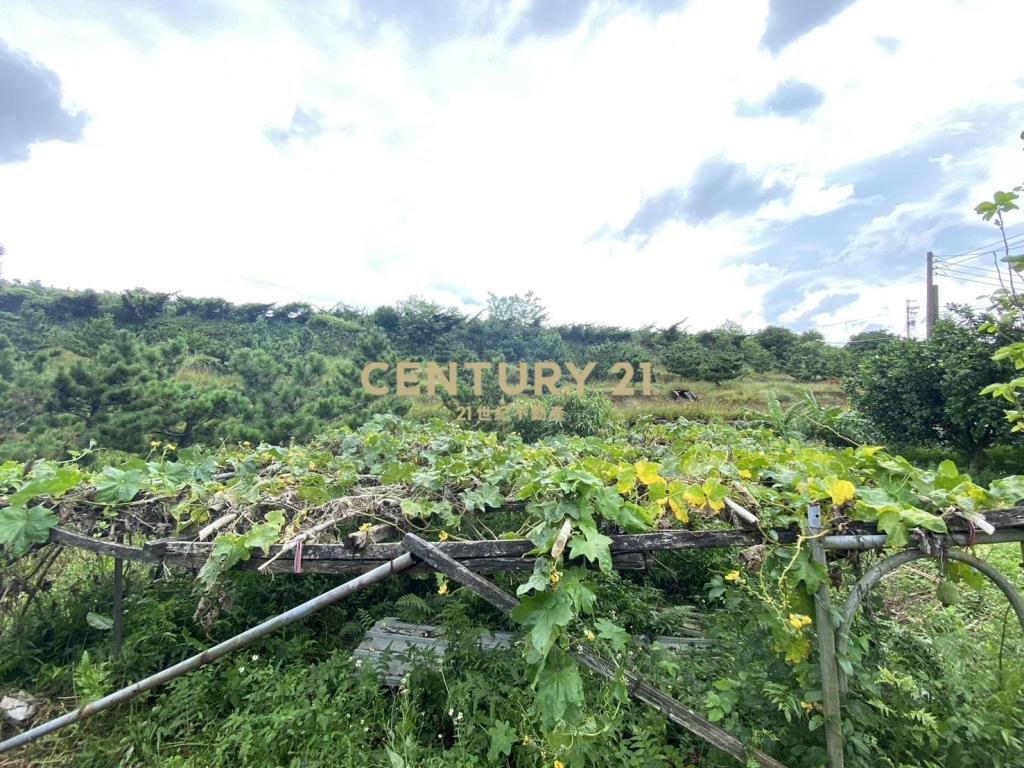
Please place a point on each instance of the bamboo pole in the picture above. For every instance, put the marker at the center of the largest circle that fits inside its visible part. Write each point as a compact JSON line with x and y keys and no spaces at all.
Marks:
{"x":401,"y":563}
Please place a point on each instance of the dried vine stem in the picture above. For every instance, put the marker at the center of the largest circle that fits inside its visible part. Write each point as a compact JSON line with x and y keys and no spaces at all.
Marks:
{"x":292,"y":543}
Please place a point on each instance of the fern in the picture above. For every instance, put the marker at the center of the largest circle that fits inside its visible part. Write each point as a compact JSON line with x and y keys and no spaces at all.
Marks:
{"x":678,"y":619}
{"x":412,"y":608}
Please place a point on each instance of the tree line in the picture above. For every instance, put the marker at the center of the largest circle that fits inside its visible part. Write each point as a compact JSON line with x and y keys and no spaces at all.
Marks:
{"x":128,"y":369}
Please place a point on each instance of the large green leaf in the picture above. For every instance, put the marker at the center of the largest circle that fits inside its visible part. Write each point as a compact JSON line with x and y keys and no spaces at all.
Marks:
{"x":559,"y":690}
{"x":918,"y":518}
{"x":574,"y":584}
{"x":22,"y":527}
{"x":119,"y":485}
{"x":503,"y":737}
{"x":607,"y":502}
{"x":613,"y":633}
{"x":262,"y":536}
{"x":592,"y":544}
{"x":546,"y":613}
{"x":54,"y":485}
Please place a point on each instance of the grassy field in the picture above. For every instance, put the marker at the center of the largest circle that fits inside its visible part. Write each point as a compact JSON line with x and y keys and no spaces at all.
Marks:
{"x":725,"y":402}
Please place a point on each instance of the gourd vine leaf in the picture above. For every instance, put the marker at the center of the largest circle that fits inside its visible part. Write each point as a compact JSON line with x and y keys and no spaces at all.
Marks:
{"x":592,"y":544}
{"x":53,"y":485}
{"x":119,"y":485}
{"x":546,"y":613}
{"x":559,"y":690}
{"x":503,"y":736}
{"x":22,"y":527}
{"x":617,"y":637}
{"x":574,"y":585}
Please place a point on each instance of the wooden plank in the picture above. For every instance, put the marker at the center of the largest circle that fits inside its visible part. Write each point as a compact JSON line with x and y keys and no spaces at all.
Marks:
{"x":445,"y":564}
{"x":68,"y":538}
{"x":627,"y":562}
{"x":674,"y":710}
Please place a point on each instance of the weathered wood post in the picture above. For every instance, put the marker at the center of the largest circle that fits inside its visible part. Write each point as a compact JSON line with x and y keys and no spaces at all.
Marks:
{"x":826,"y":647}
{"x":117,"y":630}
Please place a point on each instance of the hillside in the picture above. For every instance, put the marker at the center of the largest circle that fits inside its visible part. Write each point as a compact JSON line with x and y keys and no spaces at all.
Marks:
{"x":123,"y":370}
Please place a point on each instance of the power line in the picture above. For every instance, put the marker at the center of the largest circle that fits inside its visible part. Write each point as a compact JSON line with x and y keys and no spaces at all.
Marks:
{"x":975,"y":282}
{"x":968,"y":277}
{"x":975,"y":271}
{"x":980,"y":250}
{"x":969,"y":272}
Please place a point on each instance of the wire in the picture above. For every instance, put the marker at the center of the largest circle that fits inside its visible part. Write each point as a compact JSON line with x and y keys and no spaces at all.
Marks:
{"x":980,"y":250}
{"x":978,"y":282}
{"x":970,"y":278}
{"x":985,"y":270}
{"x":977,"y":274}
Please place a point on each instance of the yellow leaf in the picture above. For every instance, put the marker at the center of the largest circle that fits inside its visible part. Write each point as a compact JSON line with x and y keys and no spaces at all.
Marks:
{"x":678,"y":510}
{"x":716,"y":504}
{"x":841,"y":491}
{"x":647,"y":471}
{"x":799,"y":648}
{"x":694,"y":496}
{"x":626,"y":479}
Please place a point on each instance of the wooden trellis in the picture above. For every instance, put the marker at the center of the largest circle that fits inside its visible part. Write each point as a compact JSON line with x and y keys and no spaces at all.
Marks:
{"x":463,"y":561}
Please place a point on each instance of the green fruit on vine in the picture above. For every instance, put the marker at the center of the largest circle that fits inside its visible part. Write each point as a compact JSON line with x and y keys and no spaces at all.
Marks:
{"x":948,"y":593}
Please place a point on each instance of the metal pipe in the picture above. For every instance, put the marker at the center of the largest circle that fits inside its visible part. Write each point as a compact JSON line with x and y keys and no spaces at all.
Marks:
{"x":880,"y":540}
{"x":399,"y":564}
{"x":890,"y":564}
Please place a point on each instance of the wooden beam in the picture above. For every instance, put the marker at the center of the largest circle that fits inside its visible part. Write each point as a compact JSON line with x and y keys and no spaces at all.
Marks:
{"x":68,"y":538}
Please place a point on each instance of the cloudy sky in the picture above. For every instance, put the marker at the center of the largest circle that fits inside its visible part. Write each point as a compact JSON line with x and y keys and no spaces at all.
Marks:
{"x":631,"y":161}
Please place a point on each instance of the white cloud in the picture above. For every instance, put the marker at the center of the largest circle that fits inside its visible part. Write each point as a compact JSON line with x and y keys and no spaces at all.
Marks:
{"x":480,"y":165}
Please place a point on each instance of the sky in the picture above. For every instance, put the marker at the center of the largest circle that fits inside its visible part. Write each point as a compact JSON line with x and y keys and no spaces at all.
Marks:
{"x":632,"y":162}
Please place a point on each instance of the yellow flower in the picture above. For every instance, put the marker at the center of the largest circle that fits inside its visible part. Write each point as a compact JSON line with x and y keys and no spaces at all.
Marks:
{"x":443,"y":589}
{"x":443,"y":536}
{"x":555,"y":577}
{"x":365,"y":527}
{"x":154,"y":444}
{"x":170,"y":447}
{"x":733,"y":576}
{"x":589,"y":635}
{"x":312,"y":465}
{"x":799,"y":621}
{"x":807,"y":706}
{"x":558,"y":764}
{"x":247,"y":444}
{"x":745,"y":474}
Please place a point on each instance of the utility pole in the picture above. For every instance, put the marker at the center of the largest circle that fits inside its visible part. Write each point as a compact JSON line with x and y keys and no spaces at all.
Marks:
{"x":931,"y":314}
{"x":911,"y":317}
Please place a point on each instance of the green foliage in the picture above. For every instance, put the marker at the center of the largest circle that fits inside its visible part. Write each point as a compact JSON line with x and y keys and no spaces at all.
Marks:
{"x":20,"y":528}
{"x":927,"y":392}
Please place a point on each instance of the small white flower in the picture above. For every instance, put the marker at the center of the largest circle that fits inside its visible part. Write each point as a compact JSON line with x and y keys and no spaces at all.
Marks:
{"x":241,"y":670}
{"x":451,"y":711}
{"x":255,"y":657}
